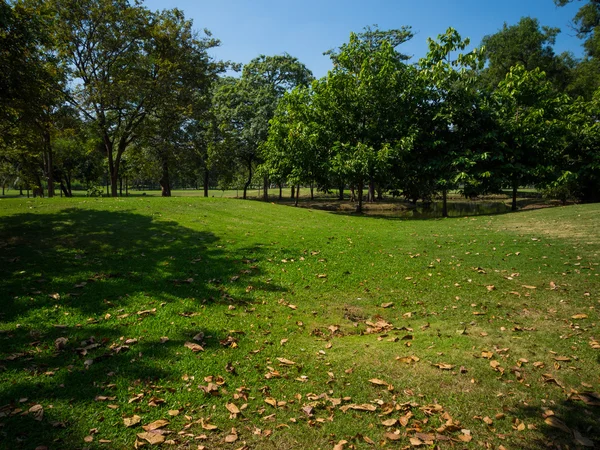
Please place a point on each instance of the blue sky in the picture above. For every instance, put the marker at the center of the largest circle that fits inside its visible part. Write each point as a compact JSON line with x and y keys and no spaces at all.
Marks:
{"x":307,"y":28}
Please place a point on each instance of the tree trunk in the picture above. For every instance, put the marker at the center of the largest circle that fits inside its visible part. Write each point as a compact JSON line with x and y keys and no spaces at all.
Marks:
{"x":371,"y":195}
{"x":514,"y":196}
{"x":247,"y":185}
{"x":360,"y":198}
{"x":165,"y":182}
{"x":69,"y":192}
{"x":48,"y":163}
{"x":312,"y":195}
{"x":444,"y":203}
{"x":205,"y":181}
{"x":280,"y":191}
{"x":293,"y":192}
{"x":120,"y":186}
{"x":341,"y":193}
{"x":297,"y":195}
{"x":265,"y":189}
{"x":126,"y":186}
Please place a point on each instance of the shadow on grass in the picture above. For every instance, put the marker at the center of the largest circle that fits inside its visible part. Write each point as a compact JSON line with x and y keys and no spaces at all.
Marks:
{"x":582,"y":420}
{"x":93,"y":280}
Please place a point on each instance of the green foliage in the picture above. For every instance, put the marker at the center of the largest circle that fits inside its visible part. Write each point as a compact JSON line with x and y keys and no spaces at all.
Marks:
{"x":528,"y":44}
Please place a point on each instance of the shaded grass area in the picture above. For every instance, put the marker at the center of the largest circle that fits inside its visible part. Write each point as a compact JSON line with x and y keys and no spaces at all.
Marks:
{"x":91,"y":288}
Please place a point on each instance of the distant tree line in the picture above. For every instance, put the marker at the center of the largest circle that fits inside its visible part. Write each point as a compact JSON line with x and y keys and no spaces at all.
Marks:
{"x":106,"y":94}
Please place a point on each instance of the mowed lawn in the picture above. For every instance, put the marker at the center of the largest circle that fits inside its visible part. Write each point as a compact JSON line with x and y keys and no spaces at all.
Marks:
{"x":218,"y":323}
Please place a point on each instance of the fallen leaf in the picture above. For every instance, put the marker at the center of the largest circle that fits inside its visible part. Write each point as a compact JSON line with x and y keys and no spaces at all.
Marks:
{"x":444,"y":366}
{"x":340,"y":445}
{"x":579,"y":316}
{"x":387,"y":305}
{"x":232,"y":408}
{"x":156,"y":425}
{"x":232,"y":437}
{"x":37,"y":411}
{"x":555,"y":422}
{"x":132,"y":421}
{"x":152,"y":438}
{"x":362,"y":407}
{"x":389,"y":422}
{"x":286,"y":362}
{"x":193,"y":347}
{"x":378,"y":382}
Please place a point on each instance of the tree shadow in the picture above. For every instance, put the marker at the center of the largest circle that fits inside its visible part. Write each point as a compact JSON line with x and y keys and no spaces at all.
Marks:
{"x":88,"y":297}
{"x":573,"y":422}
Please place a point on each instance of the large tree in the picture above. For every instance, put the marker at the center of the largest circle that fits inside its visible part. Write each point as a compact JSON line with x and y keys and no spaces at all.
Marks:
{"x":245,"y":105}
{"x":530,"y":115}
{"x":123,"y":59}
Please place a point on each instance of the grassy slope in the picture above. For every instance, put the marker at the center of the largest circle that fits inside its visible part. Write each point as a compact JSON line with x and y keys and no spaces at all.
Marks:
{"x":459,"y":287}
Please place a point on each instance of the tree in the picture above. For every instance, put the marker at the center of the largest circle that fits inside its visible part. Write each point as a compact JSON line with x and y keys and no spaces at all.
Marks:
{"x":529,"y":113}
{"x":122,"y":60}
{"x":366,"y":103}
{"x":245,"y":106}
{"x":449,"y":140}
{"x":529,"y":44}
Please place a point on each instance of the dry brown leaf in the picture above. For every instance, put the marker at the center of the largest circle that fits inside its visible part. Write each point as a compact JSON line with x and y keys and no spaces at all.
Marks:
{"x":132,"y":421}
{"x":555,"y":422}
{"x":207,"y":426}
{"x":378,"y":382}
{"x":232,"y":437}
{"x":387,"y":305}
{"x":232,"y":408}
{"x":193,"y":347}
{"x":37,"y":411}
{"x":393,"y":436}
{"x":271,"y":401}
{"x":415,"y":442}
{"x":340,"y":445}
{"x":152,"y":438}
{"x":156,"y":425}
{"x":579,"y":316}
{"x":528,"y":287}
{"x":361,"y":407}
{"x":444,"y":366}
{"x":286,"y":362}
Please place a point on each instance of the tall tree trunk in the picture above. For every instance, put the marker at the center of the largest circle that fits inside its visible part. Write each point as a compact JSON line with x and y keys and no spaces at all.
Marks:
{"x":312,"y":195}
{"x":444,"y":203}
{"x":126,"y":186}
{"x":371,"y":196}
{"x":165,"y":182}
{"x":48,"y":162}
{"x":297,"y":195}
{"x":293,"y":192}
{"x":247,"y":184}
{"x":205,"y":181}
{"x":360,"y":198}
{"x":120,"y":186}
{"x":341,"y":193}
{"x":69,"y":192}
{"x":280,"y":191}
{"x":515,"y":188}
{"x":265,"y":189}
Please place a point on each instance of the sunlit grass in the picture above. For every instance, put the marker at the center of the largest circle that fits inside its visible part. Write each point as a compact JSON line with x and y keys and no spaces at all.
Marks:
{"x":262,"y":281}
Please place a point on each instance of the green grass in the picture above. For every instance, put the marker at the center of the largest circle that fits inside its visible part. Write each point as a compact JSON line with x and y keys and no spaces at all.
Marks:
{"x":282,"y":282}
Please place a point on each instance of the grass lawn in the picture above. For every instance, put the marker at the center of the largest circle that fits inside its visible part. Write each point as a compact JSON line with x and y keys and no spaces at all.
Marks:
{"x":197,"y":323}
